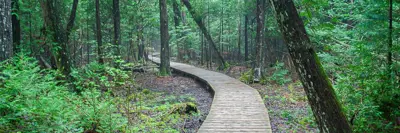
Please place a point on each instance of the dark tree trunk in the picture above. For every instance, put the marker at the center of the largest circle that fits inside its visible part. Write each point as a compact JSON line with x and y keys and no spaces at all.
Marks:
{"x":164,"y":66}
{"x":239,"y":38}
{"x":198,"y":20}
{"x":390,"y":45}
{"x":259,"y":40}
{"x":53,"y":21}
{"x":117,"y":27}
{"x":98,"y":34}
{"x":87,"y":36}
{"x":6,"y":37}
{"x":71,"y":21}
{"x":320,"y":93}
{"x":16,"y":27}
{"x":177,"y":19}
{"x":246,"y":38}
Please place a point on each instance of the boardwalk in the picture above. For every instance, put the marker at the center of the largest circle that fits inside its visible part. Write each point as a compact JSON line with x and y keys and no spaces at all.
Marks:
{"x":236,"y":106}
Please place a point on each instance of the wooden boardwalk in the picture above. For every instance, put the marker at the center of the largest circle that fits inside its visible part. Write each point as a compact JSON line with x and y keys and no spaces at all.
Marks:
{"x":236,"y":107}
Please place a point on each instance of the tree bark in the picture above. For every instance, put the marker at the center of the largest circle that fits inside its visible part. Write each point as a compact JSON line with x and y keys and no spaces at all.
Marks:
{"x":117,"y":27}
{"x":98,"y":34}
{"x":390,"y":45}
{"x":6,"y":37}
{"x":164,"y":65}
{"x":177,"y":19}
{"x":71,"y":20}
{"x":16,"y":26}
{"x":239,"y":38}
{"x":198,"y":20}
{"x":53,"y":21}
{"x":246,"y":38}
{"x":259,"y":40}
{"x":321,"y":96}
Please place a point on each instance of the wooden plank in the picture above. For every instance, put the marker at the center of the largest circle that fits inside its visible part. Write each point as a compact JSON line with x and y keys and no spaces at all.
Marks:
{"x":236,"y":106}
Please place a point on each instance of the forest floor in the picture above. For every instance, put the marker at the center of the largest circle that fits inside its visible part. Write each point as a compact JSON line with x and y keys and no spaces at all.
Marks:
{"x":287,"y":104}
{"x":184,"y":89}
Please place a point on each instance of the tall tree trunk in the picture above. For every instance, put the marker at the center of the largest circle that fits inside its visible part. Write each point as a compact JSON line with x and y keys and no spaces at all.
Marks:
{"x":16,"y":27}
{"x":198,"y":20}
{"x":239,"y":37}
{"x":259,"y":40}
{"x":117,"y":27}
{"x":246,"y":38}
{"x":87,"y":36}
{"x":390,"y":45}
{"x":53,"y":21}
{"x":98,"y":34}
{"x":6,"y":37}
{"x":164,"y":66}
{"x":71,"y":21}
{"x":177,"y":19}
{"x":321,"y":96}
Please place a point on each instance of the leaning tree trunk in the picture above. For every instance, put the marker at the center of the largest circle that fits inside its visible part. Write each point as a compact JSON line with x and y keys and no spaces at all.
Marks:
{"x":164,"y":66}
{"x":321,"y":96}
{"x":6,"y":40}
{"x":198,"y":20}
{"x":98,"y":34}
{"x":16,"y":26}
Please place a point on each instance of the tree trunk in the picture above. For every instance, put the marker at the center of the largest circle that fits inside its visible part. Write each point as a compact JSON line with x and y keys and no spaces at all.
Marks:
{"x":177,"y":19}
{"x":164,"y":66}
{"x":72,"y":17}
{"x":98,"y":34}
{"x":246,"y":38}
{"x":6,"y":37}
{"x":320,"y":93}
{"x":16,"y":27}
{"x":259,"y":40}
{"x":198,"y":20}
{"x":117,"y":27}
{"x":239,"y":38}
{"x":390,"y":45}
{"x":52,"y":15}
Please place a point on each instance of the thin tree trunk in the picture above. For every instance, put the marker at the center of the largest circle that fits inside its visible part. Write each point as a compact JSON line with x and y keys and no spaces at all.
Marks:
{"x":198,"y":20}
{"x":390,"y":45}
{"x":259,"y":40}
{"x":164,"y":66}
{"x":117,"y":27}
{"x":177,"y":19}
{"x":239,"y":38}
{"x":71,"y":20}
{"x":6,"y":37}
{"x":98,"y":34}
{"x":16,"y":26}
{"x":246,"y":38}
{"x":321,"y":96}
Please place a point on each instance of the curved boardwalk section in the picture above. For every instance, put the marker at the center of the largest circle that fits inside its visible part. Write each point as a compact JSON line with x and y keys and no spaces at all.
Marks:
{"x":236,"y":106}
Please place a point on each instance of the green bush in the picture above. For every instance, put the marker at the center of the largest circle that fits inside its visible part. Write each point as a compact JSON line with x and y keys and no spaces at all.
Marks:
{"x":280,"y":75}
{"x":32,"y":100}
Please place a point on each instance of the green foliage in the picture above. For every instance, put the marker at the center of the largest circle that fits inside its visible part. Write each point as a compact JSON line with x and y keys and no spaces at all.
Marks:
{"x":32,"y":100}
{"x":155,"y":112}
{"x":102,"y":77}
{"x":247,"y":77}
{"x":280,"y":75}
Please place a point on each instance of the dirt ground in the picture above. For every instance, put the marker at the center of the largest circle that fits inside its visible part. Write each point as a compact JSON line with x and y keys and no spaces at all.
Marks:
{"x":180,"y":85}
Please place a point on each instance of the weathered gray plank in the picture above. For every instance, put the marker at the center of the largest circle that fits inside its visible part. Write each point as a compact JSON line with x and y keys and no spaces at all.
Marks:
{"x":236,"y":106}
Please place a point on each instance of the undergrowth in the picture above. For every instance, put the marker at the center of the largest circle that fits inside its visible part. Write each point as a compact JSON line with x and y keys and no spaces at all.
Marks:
{"x":34,"y":100}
